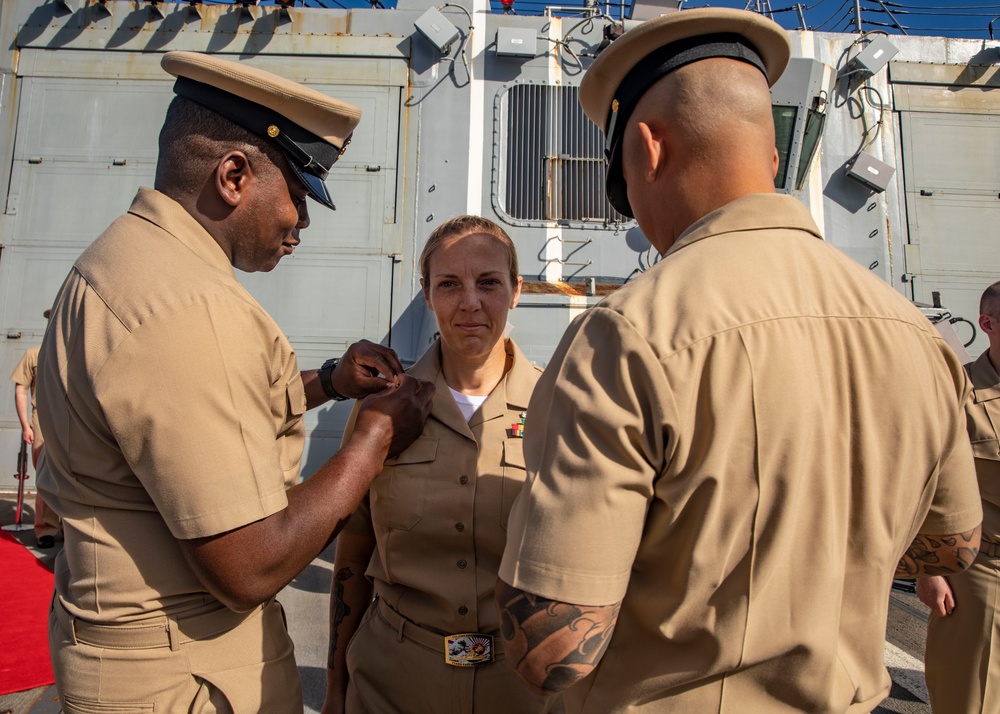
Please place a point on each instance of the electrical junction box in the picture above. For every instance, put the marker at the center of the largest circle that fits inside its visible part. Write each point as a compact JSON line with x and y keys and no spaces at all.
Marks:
{"x":871,"y":172}
{"x":649,"y":9}
{"x":875,"y":55}
{"x":437,"y":29}
{"x":516,"y":42}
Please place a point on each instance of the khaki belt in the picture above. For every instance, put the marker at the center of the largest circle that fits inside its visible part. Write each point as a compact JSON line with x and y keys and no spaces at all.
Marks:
{"x":448,"y":644}
{"x":990,"y":549}
{"x":163,"y":631}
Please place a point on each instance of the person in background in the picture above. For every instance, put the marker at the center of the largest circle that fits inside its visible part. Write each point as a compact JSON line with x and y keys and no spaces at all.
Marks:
{"x":46,"y":521}
{"x":173,"y":406}
{"x":730,"y":457}
{"x":962,"y":657}
{"x":428,"y":537}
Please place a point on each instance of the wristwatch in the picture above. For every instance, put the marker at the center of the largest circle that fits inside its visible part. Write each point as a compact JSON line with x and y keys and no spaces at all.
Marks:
{"x":326,"y":380}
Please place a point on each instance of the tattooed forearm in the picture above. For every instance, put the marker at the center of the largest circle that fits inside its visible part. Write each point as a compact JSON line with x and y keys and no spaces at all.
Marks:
{"x":939,"y":555}
{"x":338,"y":610}
{"x":552,"y":644}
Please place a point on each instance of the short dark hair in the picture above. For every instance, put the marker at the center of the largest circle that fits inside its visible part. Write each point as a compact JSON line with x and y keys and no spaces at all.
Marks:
{"x":461,"y":226}
{"x":193,"y":136}
{"x":989,"y":303}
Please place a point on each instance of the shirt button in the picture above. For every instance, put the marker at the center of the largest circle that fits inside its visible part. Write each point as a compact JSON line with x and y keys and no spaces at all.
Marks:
{"x":463,"y":610}
{"x":463,"y":480}
{"x":459,"y":527}
{"x":461,"y":564}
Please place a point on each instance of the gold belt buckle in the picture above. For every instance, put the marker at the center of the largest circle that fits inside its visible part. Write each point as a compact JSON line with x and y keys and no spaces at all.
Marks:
{"x":469,"y":649}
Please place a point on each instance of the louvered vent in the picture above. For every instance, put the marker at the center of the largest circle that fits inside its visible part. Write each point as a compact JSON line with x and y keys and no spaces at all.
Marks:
{"x":550,"y":159}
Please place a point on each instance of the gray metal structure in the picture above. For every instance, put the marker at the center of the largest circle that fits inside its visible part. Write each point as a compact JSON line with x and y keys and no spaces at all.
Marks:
{"x":490,"y":125}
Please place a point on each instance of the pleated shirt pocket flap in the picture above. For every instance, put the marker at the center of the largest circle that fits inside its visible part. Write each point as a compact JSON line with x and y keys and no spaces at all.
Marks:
{"x":986,"y":449}
{"x":513,"y":453}
{"x":423,"y":450}
{"x":295,"y":394}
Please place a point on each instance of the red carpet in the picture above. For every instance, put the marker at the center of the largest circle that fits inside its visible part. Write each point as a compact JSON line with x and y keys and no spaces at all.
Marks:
{"x":25,"y":597}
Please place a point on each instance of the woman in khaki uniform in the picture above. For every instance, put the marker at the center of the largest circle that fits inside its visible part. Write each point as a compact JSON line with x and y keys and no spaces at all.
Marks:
{"x":431,"y":531}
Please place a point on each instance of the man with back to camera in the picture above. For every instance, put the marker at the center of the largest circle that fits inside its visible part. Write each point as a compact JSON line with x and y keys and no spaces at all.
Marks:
{"x":172,"y":404}
{"x":963,"y":629}
{"x":740,"y":446}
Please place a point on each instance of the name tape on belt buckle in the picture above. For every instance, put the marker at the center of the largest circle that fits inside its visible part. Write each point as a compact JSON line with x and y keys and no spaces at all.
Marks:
{"x":469,"y":649}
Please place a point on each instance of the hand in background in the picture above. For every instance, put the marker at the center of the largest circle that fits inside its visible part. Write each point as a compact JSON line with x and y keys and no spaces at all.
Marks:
{"x":935,"y":592}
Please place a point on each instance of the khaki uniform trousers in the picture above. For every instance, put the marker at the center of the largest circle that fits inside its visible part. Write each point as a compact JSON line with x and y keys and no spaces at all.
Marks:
{"x":391,"y":672}
{"x":963,"y":649}
{"x":46,"y":520}
{"x":246,"y":670}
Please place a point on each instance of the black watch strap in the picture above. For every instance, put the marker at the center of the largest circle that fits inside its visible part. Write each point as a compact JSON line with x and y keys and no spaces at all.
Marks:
{"x":326,"y":379}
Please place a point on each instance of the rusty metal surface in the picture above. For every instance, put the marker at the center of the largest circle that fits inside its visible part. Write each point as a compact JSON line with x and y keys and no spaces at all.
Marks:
{"x":582,"y":289}
{"x":206,"y":28}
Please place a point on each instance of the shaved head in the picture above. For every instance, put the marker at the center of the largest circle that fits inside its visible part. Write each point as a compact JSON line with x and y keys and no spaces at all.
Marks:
{"x":989,"y":303}
{"x":713,"y":123}
{"x":720,"y":108}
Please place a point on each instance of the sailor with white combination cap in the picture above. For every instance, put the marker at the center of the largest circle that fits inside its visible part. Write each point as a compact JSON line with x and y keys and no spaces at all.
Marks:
{"x":727,"y":458}
{"x":172,"y":405}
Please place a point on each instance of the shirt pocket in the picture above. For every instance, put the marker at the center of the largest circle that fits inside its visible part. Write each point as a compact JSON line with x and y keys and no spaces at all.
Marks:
{"x":295,"y":400}
{"x":986,"y":449}
{"x":292,"y":432}
{"x":514,"y":473}
{"x":398,"y":494}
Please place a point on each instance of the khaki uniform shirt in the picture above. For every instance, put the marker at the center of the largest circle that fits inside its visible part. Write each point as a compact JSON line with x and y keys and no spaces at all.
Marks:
{"x":983,"y":413}
{"x":439,"y":510}
{"x":172,"y":405}
{"x":740,"y":445}
{"x":24,"y":374}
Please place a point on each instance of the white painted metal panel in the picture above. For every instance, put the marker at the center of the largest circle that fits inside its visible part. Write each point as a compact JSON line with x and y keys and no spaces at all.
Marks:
{"x":952,"y":182}
{"x":85,"y":144}
{"x":958,"y":152}
{"x":30,"y":277}
{"x":326,"y":301}
{"x":59,"y":203}
{"x":87,"y":119}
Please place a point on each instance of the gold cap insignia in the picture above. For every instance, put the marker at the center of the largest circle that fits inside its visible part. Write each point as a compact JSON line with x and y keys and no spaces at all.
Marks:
{"x":614,"y":105}
{"x":273,"y":131}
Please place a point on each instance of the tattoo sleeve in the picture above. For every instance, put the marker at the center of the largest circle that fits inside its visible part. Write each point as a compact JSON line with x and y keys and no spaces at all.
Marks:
{"x":939,"y":555}
{"x":339,"y":610}
{"x":552,"y":644}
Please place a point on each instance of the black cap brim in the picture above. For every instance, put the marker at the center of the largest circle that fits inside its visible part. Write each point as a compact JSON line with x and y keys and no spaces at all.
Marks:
{"x":314,"y":185}
{"x":615,"y":184}
{"x":304,"y":151}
